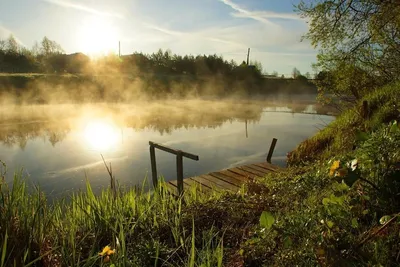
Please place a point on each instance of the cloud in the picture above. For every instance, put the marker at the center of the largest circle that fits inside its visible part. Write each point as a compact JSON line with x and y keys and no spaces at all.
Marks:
{"x":244,"y":13}
{"x":162,"y":30}
{"x":68,"y":4}
{"x":261,"y":16}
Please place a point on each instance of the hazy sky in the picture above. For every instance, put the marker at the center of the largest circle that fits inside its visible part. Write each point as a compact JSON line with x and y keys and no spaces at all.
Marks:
{"x":224,"y":27}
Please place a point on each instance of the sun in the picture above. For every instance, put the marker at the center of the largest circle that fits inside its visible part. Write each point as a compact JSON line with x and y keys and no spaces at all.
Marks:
{"x":97,"y":36}
{"x":101,"y":135}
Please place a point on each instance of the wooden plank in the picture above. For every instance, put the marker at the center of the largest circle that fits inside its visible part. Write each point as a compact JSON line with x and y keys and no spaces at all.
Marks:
{"x":220,"y":182}
{"x":208,"y":183}
{"x":175,"y":183}
{"x":199,"y":186}
{"x":255,"y":167}
{"x":257,"y":173}
{"x":246,"y":174}
{"x":268,"y":166}
{"x":227,"y":179}
{"x":238,"y":177}
{"x":172,"y":189}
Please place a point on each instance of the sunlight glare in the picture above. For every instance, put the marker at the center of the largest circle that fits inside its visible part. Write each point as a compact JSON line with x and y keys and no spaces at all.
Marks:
{"x":98,"y":36}
{"x":100,"y":135}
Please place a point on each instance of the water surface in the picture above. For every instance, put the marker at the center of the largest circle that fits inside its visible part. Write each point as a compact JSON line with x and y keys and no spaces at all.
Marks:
{"x":59,"y":146}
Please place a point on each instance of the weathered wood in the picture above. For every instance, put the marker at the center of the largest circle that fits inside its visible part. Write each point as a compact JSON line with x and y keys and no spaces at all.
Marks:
{"x":179,"y":163}
{"x":173,"y":151}
{"x":236,"y":176}
{"x":260,"y":169}
{"x":206,"y":182}
{"x":153,"y":166}
{"x":179,"y":171}
{"x":226,"y":178}
{"x":247,"y":169}
{"x":267,"y":166}
{"x":246,"y":174}
{"x":220,"y":182}
{"x":271,"y":149}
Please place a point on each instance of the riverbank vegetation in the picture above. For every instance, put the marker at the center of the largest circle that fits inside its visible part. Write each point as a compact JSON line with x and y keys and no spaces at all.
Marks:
{"x":337,"y":203}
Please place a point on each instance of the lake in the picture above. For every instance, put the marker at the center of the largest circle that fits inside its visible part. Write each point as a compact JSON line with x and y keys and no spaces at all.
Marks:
{"x":58,"y":146}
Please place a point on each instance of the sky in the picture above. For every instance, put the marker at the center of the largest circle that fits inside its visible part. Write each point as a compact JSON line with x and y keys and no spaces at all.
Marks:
{"x":270,"y":28}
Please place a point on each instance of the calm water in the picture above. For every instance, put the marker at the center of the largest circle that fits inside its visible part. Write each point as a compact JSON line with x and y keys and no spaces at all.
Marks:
{"x":58,"y":146}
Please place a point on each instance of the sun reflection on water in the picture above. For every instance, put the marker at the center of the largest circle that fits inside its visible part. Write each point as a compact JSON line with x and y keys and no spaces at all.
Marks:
{"x":101,"y":134}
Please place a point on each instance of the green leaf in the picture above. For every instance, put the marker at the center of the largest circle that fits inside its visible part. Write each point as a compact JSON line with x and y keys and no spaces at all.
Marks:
{"x":329,"y":224}
{"x":326,"y":201}
{"x":266,"y":220}
{"x":354,"y":223}
{"x":287,"y":242}
{"x":384,"y":219}
{"x":361,"y":136}
{"x":395,"y":127}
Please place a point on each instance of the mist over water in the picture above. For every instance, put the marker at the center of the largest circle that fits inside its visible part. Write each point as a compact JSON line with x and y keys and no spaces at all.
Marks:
{"x":59,"y":145}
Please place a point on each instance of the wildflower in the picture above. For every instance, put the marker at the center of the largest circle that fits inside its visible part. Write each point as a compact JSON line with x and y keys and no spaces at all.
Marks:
{"x":354,"y":164}
{"x":107,"y":252}
{"x":334,"y":167}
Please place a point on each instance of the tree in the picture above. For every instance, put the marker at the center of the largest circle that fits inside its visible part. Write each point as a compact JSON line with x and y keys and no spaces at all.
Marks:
{"x":362,"y":35}
{"x":308,"y":75}
{"x":2,"y":45}
{"x":275,"y":73}
{"x":50,"y":47}
{"x":12,"y":45}
{"x":295,"y":73}
{"x":257,"y":65}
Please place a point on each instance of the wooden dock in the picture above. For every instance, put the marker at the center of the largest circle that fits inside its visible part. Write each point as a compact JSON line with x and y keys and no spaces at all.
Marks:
{"x":229,"y":179}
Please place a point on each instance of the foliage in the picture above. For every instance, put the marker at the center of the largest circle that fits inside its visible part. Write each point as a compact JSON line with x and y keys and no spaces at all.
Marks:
{"x":341,"y":134}
{"x":358,"y":41}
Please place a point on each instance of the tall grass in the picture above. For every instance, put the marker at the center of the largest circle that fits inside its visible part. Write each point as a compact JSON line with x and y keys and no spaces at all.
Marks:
{"x":144,"y":228}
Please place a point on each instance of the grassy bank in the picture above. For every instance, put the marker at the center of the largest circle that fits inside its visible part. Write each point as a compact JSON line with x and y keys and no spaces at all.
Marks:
{"x":337,"y":205}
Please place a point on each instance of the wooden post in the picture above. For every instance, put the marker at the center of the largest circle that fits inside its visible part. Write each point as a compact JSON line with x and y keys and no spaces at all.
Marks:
{"x":179,"y":172}
{"x":153,"y":165}
{"x":271,"y":150}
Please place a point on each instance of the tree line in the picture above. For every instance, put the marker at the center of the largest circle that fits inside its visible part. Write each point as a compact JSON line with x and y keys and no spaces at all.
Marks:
{"x":49,"y":57}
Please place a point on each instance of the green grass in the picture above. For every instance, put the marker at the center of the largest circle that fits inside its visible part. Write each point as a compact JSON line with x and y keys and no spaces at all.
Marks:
{"x":145,"y":229}
{"x":340,"y":135}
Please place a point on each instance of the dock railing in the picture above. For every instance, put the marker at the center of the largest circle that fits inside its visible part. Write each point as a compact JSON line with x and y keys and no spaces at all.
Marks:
{"x":179,"y":163}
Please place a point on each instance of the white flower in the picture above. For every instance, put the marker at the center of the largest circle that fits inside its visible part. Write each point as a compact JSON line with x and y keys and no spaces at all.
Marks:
{"x":354,"y":164}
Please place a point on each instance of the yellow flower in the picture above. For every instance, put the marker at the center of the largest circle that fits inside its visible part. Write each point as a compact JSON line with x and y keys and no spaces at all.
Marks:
{"x":107,"y":251}
{"x":334,"y":167}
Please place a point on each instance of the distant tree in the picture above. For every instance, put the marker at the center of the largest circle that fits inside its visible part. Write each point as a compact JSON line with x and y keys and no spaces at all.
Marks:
{"x":275,"y":73}
{"x":50,"y":47}
{"x":295,"y":73}
{"x":308,"y":75}
{"x":283,"y":76}
{"x":3,"y":45}
{"x":257,"y":65}
{"x":35,"y":49}
{"x":12,"y":46}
